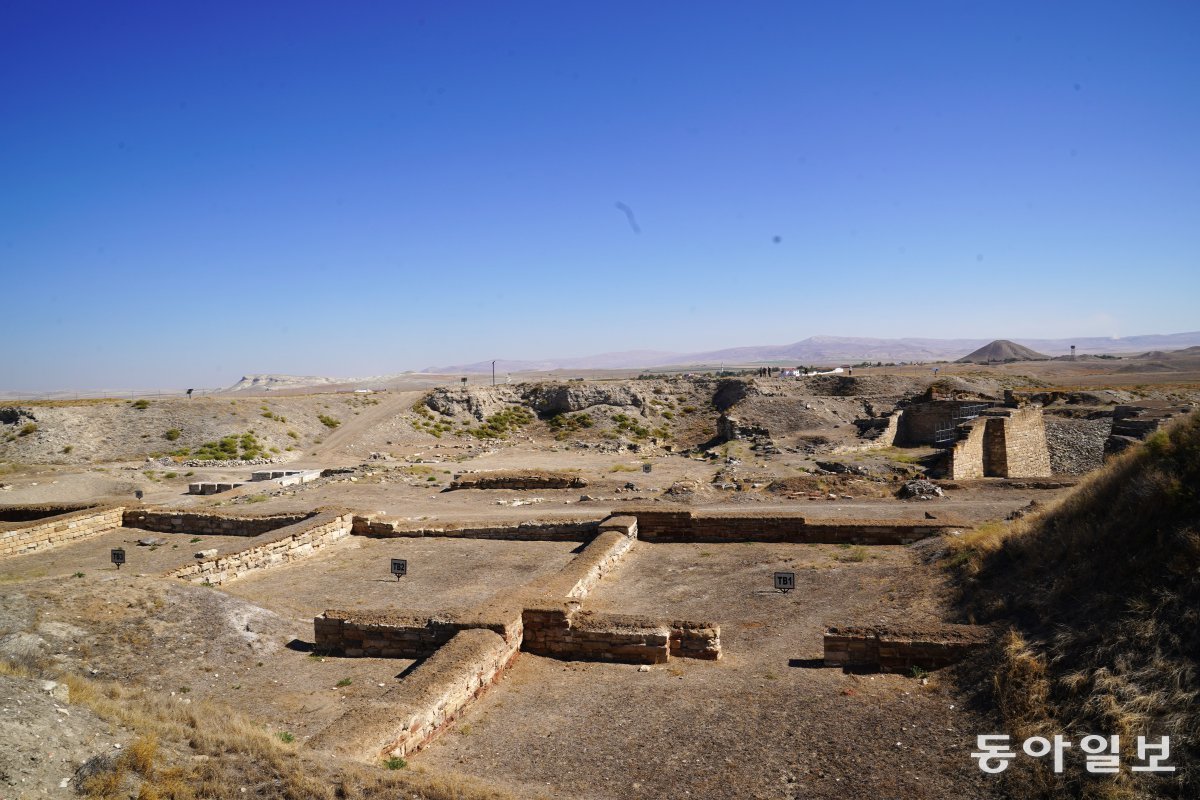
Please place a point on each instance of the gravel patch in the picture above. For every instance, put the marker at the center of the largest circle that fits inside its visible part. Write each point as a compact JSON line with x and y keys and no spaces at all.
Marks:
{"x":1076,"y":445}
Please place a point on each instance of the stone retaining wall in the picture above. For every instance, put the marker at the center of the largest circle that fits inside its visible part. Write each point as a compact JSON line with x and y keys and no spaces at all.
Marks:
{"x":582,"y":573}
{"x":562,"y":630}
{"x":47,"y":530}
{"x":901,"y":649}
{"x":565,"y":632}
{"x":700,"y":640}
{"x":387,"y":635}
{"x":192,"y":522}
{"x":966,"y":456}
{"x":517,"y":480}
{"x":531,"y":531}
{"x":31,"y":512}
{"x":1023,"y":444}
{"x":425,"y":703}
{"x":1002,"y":443}
{"x":657,"y":525}
{"x":294,"y":542}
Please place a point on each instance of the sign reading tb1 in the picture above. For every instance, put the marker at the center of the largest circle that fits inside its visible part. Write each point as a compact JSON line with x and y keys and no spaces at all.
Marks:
{"x":399,"y":567}
{"x":785,"y":581}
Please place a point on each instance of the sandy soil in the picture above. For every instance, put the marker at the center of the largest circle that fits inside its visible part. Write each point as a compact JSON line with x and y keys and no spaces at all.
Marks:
{"x":442,"y":574}
{"x":767,"y":721}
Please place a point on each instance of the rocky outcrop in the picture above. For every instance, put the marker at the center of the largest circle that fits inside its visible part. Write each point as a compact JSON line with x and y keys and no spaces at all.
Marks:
{"x":556,"y":398}
{"x":479,"y":401}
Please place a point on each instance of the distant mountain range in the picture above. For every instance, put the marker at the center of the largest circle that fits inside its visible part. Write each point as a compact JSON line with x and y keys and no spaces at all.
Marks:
{"x":825,"y":350}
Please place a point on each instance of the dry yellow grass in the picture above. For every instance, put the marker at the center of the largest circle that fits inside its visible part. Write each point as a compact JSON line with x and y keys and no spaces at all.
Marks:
{"x":1102,"y":596}
{"x":161,"y":763}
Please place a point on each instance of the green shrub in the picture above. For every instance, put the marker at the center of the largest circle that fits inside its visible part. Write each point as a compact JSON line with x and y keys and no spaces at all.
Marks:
{"x":27,"y":428}
{"x":141,"y":405}
{"x":395,"y":762}
{"x":172,"y":434}
{"x":328,"y":421}
{"x":500,"y":424}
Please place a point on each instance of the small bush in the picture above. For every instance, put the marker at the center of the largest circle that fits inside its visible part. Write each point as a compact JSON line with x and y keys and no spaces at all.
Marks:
{"x":172,"y":434}
{"x":27,"y":428}
{"x":395,"y":762}
{"x":328,"y":421}
{"x":344,"y":682}
{"x":141,"y":405}
{"x":286,"y":737}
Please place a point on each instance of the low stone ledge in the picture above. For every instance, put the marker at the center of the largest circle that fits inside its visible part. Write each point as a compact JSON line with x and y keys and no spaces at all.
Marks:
{"x":588,"y":636}
{"x":682,"y":525}
{"x":386,"y":634}
{"x":571,"y":530}
{"x":42,"y":532}
{"x":700,"y":640}
{"x":424,"y":704}
{"x":294,"y":542}
{"x":902,"y":649}
{"x":506,"y":479}
{"x":193,"y":522}
{"x":582,"y":573}
{"x":625,"y":525}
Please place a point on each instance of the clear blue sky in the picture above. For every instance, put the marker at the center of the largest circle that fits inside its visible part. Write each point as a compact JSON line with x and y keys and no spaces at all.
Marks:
{"x":191,"y":192}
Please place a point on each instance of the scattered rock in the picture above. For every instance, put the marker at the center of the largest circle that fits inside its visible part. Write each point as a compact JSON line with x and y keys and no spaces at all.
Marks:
{"x":207,"y":553}
{"x":919,"y":489}
{"x":150,"y":541}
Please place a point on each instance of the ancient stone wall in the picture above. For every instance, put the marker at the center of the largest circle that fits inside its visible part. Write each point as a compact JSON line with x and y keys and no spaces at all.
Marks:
{"x":381,"y":634}
{"x":167,"y":521}
{"x":562,"y":631}
{"x":582,"y":573}
{"x":1002,"y":443}
{"x":700,"y":640}
{"x":37,"y":511}
{"x":535,"y":530}
{"x":466,"y":651}
{"x":920,"y":422}
{"x":966,"y":456}
{"x":294,"y":542}
{"x":900,"y":649}
{"x":425,"y":703}
{"x":1026,"y":454}
{"x":44,"y":532}
{"x":657,"y":525}
{"x":518,"y":480}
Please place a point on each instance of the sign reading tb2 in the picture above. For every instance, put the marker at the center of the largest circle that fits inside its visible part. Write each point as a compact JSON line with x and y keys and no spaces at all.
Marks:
{"x":785,"y":581}
{"x":399,"y":567}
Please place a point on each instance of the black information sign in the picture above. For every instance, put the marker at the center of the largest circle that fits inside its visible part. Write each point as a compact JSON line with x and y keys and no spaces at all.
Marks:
{"x":399,"y":567}
{"x":118,"y":556}
{"x":785,"y":581}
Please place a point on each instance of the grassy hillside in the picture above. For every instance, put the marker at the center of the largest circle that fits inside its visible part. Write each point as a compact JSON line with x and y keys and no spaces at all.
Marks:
{"x":1102,"y":596}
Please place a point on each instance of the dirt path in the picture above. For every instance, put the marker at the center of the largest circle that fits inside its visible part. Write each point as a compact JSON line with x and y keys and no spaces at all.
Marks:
{"x":349,"y":442}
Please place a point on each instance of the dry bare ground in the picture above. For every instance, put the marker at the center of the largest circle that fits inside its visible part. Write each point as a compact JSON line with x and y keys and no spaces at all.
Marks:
{"x":202,"y":686}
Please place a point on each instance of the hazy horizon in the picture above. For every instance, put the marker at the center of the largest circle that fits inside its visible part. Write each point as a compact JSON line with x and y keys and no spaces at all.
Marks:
{"x":198,"y":193}
{"x":587,"y":361}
